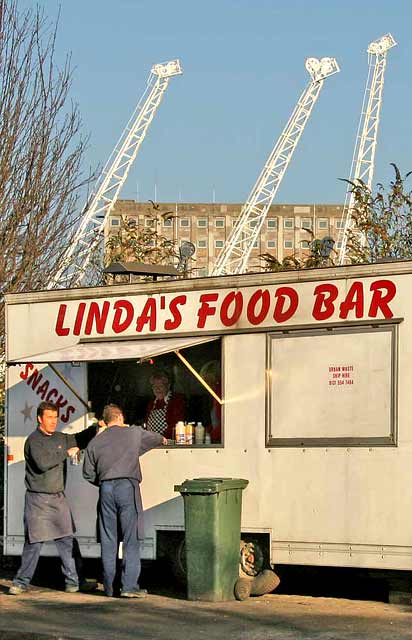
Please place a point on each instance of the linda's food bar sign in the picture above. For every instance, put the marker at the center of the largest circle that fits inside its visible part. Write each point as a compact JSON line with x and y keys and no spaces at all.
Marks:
{"x":243,"y":308}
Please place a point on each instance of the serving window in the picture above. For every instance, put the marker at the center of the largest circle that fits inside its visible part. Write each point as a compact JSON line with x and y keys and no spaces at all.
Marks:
{"x":332,"y":387}
{"x":189,"y":380}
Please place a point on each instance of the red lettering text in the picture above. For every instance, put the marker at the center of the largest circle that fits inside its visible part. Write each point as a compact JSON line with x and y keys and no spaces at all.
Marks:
{"x":60,"y":329}
{"x":176,"y":320}
{"x":148,"y":316}
{"x":282,"y":295}
{"x":323,"y":307}
{"x":60,"y":402}
{"x":53,"y":393}
{"x":235,"y":298}
{"x":379,"y":300}
{"x":354,"y":300}
{"x":43,"y":389}
{"x":97,"y":316}
{"x":119,"y":323}
{"x":79,"y":319}
{"x":24,"y":374}
{"x":262,"y":298}
{"x":66,"y":416}
{"x":34,"y":379}
{"x":205,"y":309}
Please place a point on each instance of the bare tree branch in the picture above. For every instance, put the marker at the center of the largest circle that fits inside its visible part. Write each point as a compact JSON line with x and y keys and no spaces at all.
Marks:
{"x":41,"y":151}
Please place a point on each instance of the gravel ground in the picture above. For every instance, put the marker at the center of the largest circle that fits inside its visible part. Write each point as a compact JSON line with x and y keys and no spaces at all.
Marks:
{"x":43,"y":614}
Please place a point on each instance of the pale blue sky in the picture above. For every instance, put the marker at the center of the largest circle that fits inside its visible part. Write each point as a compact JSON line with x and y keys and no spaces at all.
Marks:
{"x":243,"y":64}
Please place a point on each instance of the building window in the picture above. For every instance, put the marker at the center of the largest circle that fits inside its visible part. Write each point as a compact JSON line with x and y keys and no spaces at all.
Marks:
{"x":339,"y":244}
{"x":306,"y":223}
{"x":202,"y":244}
{"x":235,"y":221}
{"x":272,"y":223}
{"x":184,"y":222}
{"x":167,"y":222}
{"x":339,"y":223}
{"x":149,"y":222}
{"x":322,"y":224}
{"x":219,"y":244}
{"x":288,"y":223}
{"x":305,"y":244}
{"x":253,"y":223}
{"x":115,"y":222}
{"x":288,"y":244}
{"x":271,"y":244}
{"x":219,"y":222}
{"x":256,"y":244}
{"x":202,"y":222}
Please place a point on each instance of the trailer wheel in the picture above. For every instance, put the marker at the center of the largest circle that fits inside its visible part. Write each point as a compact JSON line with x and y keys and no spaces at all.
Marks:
{"x":252,"y":559}
{"x":178,"y":562}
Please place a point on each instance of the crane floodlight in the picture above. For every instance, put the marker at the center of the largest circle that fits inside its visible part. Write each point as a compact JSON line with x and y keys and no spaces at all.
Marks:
{"x":382,"y":45}
{"x":320,"y":69}
{"x":167,"y":69}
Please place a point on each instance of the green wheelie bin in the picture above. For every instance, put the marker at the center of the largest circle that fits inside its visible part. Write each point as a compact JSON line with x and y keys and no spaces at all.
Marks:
{"x":213,"y":508}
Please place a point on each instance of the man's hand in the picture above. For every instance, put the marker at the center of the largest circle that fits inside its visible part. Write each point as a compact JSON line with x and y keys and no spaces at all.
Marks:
{"x":165,"y":441}
{"x":73,"y":451}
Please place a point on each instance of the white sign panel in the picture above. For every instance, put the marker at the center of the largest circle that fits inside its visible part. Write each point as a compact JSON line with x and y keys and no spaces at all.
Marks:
{"x":41,"y":326}
{"x":27,"y":387}
{"x":332,"y":385}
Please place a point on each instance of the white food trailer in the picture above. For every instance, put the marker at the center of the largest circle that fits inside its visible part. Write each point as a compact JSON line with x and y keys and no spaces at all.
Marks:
{"x":316,"y":370}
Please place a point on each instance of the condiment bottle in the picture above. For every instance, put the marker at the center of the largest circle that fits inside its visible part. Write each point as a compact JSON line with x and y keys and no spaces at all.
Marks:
{"x":180,"y":432}
{"x":199,"y":433}
{"x":189,"y":433}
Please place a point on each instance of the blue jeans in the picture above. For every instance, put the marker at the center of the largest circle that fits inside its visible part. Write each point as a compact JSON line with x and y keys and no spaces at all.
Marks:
{"x":30,"y":558}
{"x":118,"y":507}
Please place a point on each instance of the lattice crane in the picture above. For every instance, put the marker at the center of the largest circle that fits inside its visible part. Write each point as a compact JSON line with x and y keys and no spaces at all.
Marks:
{"x":76,"y":265}
{"x":235,"y":254}
{"x":363,"y":161}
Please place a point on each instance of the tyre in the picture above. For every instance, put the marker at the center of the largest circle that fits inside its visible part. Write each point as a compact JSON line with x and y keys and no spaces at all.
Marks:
{"x":252,"y":560}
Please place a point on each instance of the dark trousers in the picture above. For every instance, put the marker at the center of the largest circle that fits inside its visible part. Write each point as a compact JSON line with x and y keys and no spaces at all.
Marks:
{"x":118,"y":507}
{"x":30,"y":558}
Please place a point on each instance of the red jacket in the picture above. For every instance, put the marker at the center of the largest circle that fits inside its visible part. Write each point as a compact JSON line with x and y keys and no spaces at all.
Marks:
{"x":175,"y":411}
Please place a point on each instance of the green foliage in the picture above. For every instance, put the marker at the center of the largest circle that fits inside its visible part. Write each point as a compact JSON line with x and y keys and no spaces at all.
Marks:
{"x":142,"y":244}
{"x":315,"y":257}
{"x":382,"y":222}
{"x":381,"y":229}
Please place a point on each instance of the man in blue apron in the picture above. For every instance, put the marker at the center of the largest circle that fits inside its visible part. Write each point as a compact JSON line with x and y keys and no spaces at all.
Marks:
{"x":47,"y":514}
{"x":112,"y":463}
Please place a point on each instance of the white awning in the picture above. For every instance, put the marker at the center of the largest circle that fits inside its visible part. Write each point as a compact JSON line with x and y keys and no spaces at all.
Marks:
{"x":115,"y":350}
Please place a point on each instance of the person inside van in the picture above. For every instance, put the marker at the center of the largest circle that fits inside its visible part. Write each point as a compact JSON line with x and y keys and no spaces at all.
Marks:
{"x":166,"y":408}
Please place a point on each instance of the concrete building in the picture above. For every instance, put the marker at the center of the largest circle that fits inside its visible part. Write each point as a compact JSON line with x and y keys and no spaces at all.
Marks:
{"x":207,"y":226}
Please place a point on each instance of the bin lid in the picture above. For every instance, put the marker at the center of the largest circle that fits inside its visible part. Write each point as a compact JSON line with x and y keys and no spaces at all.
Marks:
{"x":210,"y":485}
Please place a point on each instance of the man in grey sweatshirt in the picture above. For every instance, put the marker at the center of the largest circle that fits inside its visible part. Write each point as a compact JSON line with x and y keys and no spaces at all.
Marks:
{"x":47,"y":514}
{"x":112,"y":463}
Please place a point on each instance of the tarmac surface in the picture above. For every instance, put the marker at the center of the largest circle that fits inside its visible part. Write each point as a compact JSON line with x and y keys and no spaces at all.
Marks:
{"x":45,"y":614}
